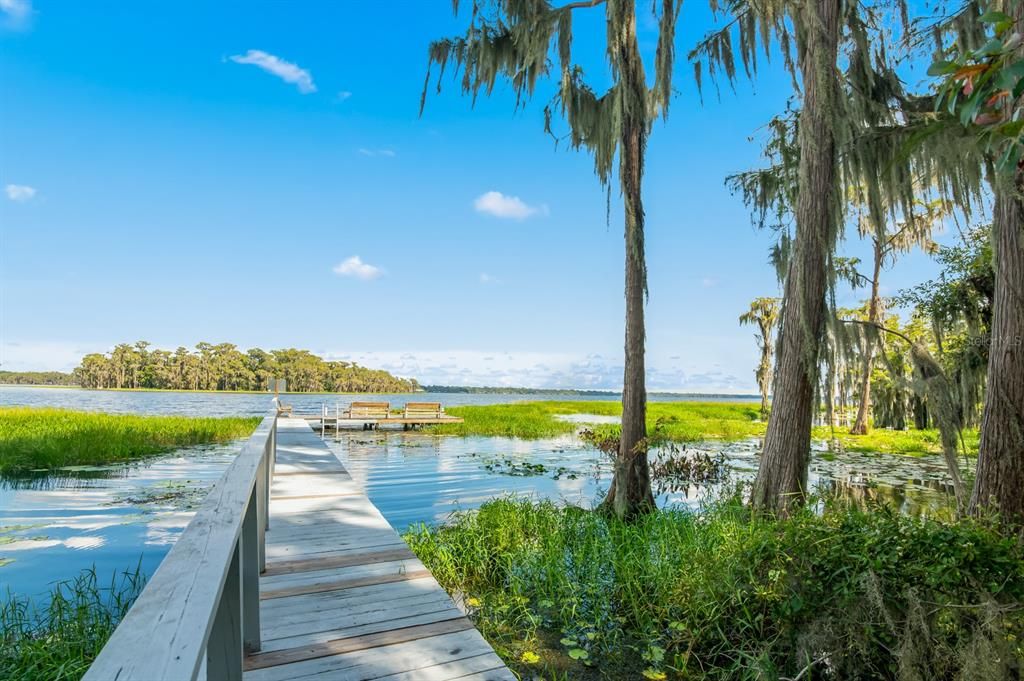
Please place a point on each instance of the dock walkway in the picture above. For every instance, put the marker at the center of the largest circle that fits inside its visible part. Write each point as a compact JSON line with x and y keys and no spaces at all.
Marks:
{"x":342,"y":596}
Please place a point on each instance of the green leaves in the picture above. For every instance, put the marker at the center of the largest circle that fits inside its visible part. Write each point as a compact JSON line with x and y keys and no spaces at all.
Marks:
{"x":982,"y":88}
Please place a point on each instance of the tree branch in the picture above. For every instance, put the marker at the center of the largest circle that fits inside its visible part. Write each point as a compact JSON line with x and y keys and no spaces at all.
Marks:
{"x":579,"y":5}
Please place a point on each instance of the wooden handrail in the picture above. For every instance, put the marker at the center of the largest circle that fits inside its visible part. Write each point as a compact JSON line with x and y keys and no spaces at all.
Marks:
{"x":202,"y":603}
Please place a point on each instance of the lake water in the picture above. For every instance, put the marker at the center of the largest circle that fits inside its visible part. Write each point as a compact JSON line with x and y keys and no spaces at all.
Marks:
{"x":111,"y":518}
{"x":115,"y":518}
{"x":259,"y":404}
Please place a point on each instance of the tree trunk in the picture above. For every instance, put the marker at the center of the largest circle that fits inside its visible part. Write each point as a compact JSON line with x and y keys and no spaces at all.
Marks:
{"x":630,"y":493}
{"x":782,"y":476}
{"x":764,"y":370}
{"x":860,"y":425}
{"x":1000,"y":478}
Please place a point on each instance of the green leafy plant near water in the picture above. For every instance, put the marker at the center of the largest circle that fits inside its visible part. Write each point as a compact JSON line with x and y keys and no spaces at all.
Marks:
{"x":845,"y":594}
{"x":61,"y":640}
{"x":39,"y":439}
{"x":678,"y":422}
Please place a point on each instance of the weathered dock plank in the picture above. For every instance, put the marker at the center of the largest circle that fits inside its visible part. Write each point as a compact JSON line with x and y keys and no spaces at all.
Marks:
{"x":342,"y":596}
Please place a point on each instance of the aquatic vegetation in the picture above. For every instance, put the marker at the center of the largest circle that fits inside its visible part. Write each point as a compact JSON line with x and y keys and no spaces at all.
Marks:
{"x":846,"y":594}
{"x":39,"y":439}
{"x":682,"y":421}
{"x":678,"y":469}
{"x":60,"y":640}
{"x":525,"y":469}
{"x":678,"y":422}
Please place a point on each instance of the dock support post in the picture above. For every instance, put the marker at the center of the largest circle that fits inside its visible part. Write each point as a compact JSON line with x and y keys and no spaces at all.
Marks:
{"x":224,"y":648}
{"x":262,"y":511}
{"x":251,"y":565}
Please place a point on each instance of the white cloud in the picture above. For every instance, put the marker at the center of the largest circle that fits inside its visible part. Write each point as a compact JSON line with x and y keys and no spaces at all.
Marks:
{"x":355,"y":267}
{"x":343,"y":95}
{"x":285,"y":70}
{"x":708,"y":282}
{"x":541,"y":370}
{"x":19,"y":192}
{"x":16,"y":12}
{"x":377,"y":152}
{"x":502,"y":206}
{"x":36,"y":355}
{"x":488,"y":279}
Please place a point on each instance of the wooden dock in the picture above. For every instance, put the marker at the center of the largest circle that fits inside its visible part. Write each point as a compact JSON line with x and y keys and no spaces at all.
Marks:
{"x":342,"y":595}
{"x":288,"y":571}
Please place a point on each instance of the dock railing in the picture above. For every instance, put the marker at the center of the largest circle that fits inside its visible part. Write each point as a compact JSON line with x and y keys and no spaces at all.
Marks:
{"x":201,"y":606}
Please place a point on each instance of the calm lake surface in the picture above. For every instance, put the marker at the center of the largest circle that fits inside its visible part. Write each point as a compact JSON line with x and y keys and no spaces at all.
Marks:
{"x":118,"y":517}
{"x":259,"y":404}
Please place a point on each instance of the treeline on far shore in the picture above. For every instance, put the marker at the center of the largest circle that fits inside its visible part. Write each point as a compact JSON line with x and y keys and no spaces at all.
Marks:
{"x":219,"y":366}
{"x":36,"y":378}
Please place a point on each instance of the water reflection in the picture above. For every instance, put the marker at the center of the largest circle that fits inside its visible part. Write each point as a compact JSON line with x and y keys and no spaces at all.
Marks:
{"x":415,"y":477}
{"x":54,"y":526}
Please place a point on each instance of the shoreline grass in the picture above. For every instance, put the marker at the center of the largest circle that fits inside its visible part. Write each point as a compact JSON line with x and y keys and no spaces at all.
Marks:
{"x":60,"y":640}
{"x":680,"y":422}
{"x":42,"y":438}
{"x":565,"y":593}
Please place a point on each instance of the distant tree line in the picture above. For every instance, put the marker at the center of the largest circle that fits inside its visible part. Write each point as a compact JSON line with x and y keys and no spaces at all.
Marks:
{"x":224,"y":367}
{"x":36,"y":378}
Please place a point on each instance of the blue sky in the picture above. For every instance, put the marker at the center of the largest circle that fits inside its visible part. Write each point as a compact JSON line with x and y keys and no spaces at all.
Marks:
{"x":258,"y":173}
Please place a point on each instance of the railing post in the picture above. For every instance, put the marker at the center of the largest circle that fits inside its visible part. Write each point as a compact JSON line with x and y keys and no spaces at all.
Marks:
{"x":224,"y":647}
{"x":251,"y":542}
{"x":262,"y":509}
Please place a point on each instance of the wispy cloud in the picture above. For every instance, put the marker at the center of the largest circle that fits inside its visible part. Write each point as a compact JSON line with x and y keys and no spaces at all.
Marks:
{"x":538,"y":370}
{"x":509,"y":207}
{"x":709,"y":282}
{"x":16,"y":13}
{"x":355,"y":267}
{"x":377,"y":152}
{"x":487,"y":279}
{"x":343,"y":95}
{"x":285,"y":70}
{"x":19,"y":192}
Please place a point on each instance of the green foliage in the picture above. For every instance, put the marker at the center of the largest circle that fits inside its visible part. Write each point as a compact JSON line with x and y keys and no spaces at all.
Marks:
{"x":845,"y":594}
{"x":36,"y":378}
{"x":675,"y":422}
{"x":59,"y":642}
{"x":983,"y":87}
{"x":33,"y":439}
{"x":680,"y":421}
{"x":225,"y":367}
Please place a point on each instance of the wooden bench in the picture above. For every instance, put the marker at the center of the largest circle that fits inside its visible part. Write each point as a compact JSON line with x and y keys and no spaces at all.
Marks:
{"x":423,"y":410}
{"x":368,"y":410}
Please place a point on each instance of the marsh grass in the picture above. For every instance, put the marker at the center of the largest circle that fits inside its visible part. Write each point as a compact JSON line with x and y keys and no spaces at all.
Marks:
{"x":60,"y":640}
{"x":39,"y":439}
{"x":683,"y":421}
{"x":678,"y":422}
{"x":843,"y":594}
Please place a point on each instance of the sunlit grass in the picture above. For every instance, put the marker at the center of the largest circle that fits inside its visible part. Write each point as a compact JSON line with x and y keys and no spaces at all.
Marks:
{"x":568,"y":593}
{"x":680,"y":422}
{"x":60,"y":640}
{"x":40,"y":439}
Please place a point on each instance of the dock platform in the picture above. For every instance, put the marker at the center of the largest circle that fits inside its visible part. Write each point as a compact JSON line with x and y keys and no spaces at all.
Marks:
{"x":342,"y":596}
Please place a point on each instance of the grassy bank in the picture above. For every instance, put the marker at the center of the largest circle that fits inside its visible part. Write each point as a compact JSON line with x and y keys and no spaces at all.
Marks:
{"x":569,"y":594}
{"x":39,"y":439}
{"x":60,"y":641}
{"x":680,"y":421}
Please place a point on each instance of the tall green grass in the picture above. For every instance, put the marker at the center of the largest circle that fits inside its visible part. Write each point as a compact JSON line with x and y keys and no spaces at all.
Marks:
{"x":844,"y":594}
{"x":679,"y":422}
{"x":60,"y":640}
{"x":40,"y":439}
